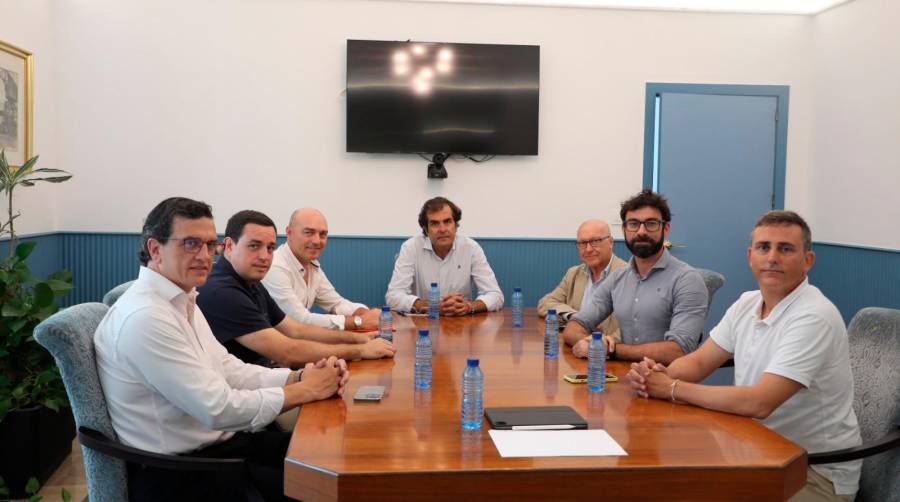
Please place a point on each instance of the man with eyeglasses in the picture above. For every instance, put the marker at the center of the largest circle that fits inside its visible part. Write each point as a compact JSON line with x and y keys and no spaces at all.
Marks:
{"x":440,"y":255}
{"x":659,"y":301}
{"x":595,"y":246}
{"x":297,"y":281}
{"x":172,"y":388}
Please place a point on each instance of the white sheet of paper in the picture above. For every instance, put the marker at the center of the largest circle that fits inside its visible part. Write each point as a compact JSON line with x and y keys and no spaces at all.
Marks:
{"x":577,"y":443}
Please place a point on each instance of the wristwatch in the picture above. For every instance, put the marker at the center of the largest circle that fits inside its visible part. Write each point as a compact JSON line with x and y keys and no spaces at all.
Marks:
{"x":357,"y":321}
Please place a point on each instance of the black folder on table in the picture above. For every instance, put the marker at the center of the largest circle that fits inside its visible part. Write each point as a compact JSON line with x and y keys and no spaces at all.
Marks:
{"x":535,"y":417}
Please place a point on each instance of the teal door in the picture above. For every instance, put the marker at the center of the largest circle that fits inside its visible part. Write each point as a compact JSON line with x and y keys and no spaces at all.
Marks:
{"x":717,"y":153}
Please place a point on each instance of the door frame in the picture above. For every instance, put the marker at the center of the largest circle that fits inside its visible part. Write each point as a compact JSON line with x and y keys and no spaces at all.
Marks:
{"x":780,"y":92}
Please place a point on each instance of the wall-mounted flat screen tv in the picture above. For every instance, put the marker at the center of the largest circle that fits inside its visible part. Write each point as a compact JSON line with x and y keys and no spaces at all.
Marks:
{"x":429,"y":97}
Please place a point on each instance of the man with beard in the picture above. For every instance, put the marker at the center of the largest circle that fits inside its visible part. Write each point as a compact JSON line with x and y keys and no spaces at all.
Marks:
{"x":659,"y":300}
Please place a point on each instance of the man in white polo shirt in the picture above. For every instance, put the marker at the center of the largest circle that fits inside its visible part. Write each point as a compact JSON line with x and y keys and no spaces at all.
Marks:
{"x":296,"y":280}
{"x":791,"y":358}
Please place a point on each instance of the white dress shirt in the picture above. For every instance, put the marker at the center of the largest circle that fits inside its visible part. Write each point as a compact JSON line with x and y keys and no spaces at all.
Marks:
{"x":170,"y":386}
{"x":286,"y":285}
{"x":417,"y":266}
{"x":802,"y":339}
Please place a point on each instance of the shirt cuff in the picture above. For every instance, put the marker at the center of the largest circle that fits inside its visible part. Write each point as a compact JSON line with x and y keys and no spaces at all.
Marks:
{"x":338,"y":322}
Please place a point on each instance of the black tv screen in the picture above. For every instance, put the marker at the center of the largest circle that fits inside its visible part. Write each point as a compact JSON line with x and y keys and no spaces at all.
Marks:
{"x":432,"y":97}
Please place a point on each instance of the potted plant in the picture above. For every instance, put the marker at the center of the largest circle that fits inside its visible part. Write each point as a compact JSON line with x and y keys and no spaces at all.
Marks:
{"x":36,"y":427}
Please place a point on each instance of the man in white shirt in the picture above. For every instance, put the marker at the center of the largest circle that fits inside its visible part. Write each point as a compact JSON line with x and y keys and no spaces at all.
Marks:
{"x":791,"y":358}
{"x":296,"y":280}
{"x":441,"y":256}
{"x":172,"y":388}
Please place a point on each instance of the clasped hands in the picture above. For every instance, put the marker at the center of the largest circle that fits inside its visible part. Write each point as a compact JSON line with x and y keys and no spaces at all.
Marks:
{"x":451,"y":305}
{"x":650,"y":379}
{"x":326,"y":377}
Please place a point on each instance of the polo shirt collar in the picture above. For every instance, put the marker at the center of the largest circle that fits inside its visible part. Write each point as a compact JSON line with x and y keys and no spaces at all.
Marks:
{"x":224,"y":266}
{"x":782,"y":306}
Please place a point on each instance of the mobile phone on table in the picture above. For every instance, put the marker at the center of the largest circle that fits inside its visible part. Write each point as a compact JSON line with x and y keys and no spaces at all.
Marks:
{"x":369,"y":393}
{"x":582,"y":378}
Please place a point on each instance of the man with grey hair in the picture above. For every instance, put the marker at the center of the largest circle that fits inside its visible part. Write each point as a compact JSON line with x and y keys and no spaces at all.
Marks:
{"x":594,"y":243}
{"x":296,"y":280}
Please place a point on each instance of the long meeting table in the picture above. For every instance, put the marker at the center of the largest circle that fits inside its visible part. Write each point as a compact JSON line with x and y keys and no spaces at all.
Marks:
{"x":410,"y":446}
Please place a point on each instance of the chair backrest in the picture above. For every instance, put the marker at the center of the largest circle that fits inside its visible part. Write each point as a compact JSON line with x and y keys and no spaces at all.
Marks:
{"x":69,"y":336}
{"x":874,"y":337}
{"x":713,"y":281}
{"x":113,"y":294}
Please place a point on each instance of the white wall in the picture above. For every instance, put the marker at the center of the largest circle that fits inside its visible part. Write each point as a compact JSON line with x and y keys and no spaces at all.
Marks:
{"x":856,"y":148}
{"x":239,"y":103}
{"x":30,"y":26}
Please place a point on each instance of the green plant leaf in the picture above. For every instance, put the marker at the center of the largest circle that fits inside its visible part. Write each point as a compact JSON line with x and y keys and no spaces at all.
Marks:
{"x":32,"y":486}
{"x":29,"y":163}
{"x":43,"y":295}
{"x":13,"y":308}
{"x":43,"y":313}
{"x":66,"y":496}
{"x":51,"y":179}
{"x":17,"y":324}
{"x":64,"y":275}
{"x":59,"y":287}
{"x":46,"y":377}
{"x":53,"y":404}
{"x":24,"y":249}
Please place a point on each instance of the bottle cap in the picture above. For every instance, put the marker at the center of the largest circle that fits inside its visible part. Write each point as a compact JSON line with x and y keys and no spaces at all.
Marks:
{"x":596,"y":335}
{"x":551,"y":312}
{"x":472,"y":362}
{"x":423,"y":332}
{"x":517,"y":290}
{"x":433,"y":284}
{"x":385,"y":309}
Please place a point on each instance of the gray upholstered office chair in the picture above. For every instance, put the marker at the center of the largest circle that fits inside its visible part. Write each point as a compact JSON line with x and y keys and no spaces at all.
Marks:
{"x":69,"y":336}
{"x":713,"y":281}
{"x":874,"y":336}
{"x":111,"y":296}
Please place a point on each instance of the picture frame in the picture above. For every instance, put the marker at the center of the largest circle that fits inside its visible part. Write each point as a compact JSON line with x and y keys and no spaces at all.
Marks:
{"x":16,"y":103}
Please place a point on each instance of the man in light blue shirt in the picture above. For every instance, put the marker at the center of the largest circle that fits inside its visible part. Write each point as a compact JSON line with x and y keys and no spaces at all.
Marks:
{"x":456,"y":263}
{"x":659,"y":301}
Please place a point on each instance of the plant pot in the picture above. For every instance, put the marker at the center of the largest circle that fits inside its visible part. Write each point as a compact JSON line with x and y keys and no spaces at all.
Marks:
{"x":35,"y":442}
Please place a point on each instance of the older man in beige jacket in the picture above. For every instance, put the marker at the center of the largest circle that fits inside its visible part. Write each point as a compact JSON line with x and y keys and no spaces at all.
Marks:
{"x":595,"y":246}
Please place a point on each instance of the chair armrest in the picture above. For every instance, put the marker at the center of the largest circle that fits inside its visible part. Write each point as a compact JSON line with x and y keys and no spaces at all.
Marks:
{"x":889,"y":441}
{"x":98,"y":442}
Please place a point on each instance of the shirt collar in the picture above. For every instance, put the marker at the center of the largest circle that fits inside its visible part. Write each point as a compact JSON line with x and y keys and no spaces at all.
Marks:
{"x":587,"y":270}
{"x":427,"y":244}
{"x":783,"y":305}
{"x":296,"y":261}
{"x":661,"y":263}
{"x":162,"y":286}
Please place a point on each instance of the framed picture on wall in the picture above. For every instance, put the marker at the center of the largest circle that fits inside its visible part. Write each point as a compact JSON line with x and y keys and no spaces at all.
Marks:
{"x":15,"y":103}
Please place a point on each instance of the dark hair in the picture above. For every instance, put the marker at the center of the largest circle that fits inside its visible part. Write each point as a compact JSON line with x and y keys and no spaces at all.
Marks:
{"x":158,"y":224}
{"x":235,"y":226}
{"x":647,"y":198}
{"x":434,"y":205}
{"x":786,"y":218}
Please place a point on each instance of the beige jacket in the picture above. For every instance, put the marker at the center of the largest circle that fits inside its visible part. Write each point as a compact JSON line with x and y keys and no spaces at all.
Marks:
{"x":569,"y":293}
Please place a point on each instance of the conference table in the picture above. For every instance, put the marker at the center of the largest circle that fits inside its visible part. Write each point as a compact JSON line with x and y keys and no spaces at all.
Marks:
{"x":410,"y":446}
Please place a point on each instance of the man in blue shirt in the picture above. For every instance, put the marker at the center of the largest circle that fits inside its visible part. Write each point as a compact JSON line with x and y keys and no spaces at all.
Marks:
{"x":659,"y":301}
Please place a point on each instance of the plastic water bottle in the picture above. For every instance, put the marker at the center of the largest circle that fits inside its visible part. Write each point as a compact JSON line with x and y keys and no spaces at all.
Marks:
{"x":434,"y":302}
{"x":423,"y":360}
{"x":386,"y":324}
{"x":596,"y":363}
{"x":551,"y":335}
{"x":517,"y":302}
{"x":473,"y":390}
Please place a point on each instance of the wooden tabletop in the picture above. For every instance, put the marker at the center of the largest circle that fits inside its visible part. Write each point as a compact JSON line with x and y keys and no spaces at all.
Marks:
{"x":410,"y":446}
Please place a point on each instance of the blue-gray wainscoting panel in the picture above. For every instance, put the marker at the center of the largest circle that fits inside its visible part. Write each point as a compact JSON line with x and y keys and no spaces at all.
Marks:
{"x":360,"y":267}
